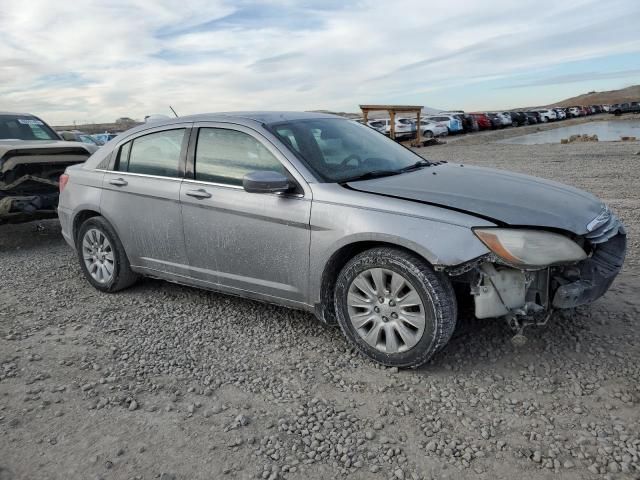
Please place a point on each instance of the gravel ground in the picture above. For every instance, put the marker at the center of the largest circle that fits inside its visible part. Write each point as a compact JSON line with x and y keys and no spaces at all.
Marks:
{"x":164,"y":381}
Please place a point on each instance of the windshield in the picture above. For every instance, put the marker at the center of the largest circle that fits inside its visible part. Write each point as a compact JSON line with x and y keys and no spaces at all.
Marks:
{"x":337,"y":150}
{"x":24,"y":127}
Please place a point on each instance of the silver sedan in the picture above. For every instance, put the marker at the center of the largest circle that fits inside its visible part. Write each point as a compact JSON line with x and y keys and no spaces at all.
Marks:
{"x":319,"y":213}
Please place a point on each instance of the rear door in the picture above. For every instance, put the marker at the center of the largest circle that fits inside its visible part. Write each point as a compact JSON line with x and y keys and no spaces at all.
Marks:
{"x":244,"y":242}
{"x":141,"y":198}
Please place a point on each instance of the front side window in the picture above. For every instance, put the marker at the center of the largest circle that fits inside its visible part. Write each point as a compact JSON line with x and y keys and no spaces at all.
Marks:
{"x":225,"y":156}
{"x":153,"y":154}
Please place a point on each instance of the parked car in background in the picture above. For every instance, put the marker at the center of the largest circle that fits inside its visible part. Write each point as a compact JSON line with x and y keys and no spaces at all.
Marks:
{"x":504,"y":118}
{"x":496,"y":120}
{"x":32,"y":158}
{"x":560,"y":113}
{"x":77,"y":136}
{"x":430,"y":129}
{"x":452,"y":122}
{"x":483,"y":121}
{"x":467,"y":121}
{"x":379,"y":125}
{"x":606,"y":108}
{"x":536,"y":115}
{"x":404,"y":127}
{"x":258,"y":210}
{"x":102,"y":138}
{"x":532,"y":118}
{"x":519,"y":118}
{"x":547,"y":115}
{"x":628,"y":107}
{"x":575,"y":111}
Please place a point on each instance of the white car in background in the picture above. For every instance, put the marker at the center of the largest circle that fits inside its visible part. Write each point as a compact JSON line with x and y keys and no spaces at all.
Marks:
{"x":560,"y":115}
{"x":404,"y":127}
{"x":430,"y":128}
{"x":505,"y":118}
{"x":379,"y":125}
{"x":453,"y":123}
{"x":575,"y":112}
{"x":547,"y":115}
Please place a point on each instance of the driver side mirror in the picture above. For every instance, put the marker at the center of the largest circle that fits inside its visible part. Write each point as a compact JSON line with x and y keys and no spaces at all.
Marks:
{"x":265,"y":181}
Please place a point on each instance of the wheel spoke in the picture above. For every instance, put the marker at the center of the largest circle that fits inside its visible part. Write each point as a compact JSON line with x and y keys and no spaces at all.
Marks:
{"x":410,"y":299}
{"x":373,"y":335}
{"x":397,"y":283}
{"x":378,"y":280}
{"x":109,"y":268}
{"x":408,"y":336}
{"x":354,"y":299}
{"x":416,"y":319}
{"x":364,"y":286}
{"x":390,"y":339}
{"x":360,"y":320}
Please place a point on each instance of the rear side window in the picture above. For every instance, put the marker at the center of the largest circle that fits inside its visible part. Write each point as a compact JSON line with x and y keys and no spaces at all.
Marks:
{"x":225,"y":156}
{"x":154,"y":154}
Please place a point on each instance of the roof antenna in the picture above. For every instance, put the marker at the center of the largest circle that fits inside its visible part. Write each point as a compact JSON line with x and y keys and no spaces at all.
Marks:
{"x":174,"y":112}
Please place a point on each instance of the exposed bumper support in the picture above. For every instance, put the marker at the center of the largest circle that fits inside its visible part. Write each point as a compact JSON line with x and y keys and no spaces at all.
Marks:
{"x":592,"y":277}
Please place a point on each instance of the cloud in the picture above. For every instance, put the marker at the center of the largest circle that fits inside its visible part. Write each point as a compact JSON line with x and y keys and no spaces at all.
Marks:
{"x":577,"y":77}
{"x":96,"y":60}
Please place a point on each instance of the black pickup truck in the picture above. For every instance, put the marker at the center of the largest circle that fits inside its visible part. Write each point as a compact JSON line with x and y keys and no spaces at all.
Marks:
{"x":629,"y":107}
{"x":32,"y":157}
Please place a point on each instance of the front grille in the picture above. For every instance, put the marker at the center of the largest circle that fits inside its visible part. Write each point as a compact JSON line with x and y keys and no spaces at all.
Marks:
{"x":606,"y":230}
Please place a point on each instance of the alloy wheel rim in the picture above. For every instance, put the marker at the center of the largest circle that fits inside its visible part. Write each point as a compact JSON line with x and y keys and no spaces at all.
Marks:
{"x":386,"y":310}
{"x":97,"y":253}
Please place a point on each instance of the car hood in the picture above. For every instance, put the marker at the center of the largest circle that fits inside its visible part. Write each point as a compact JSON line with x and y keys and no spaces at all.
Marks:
{"x":42,"y":145}
{"x":497,"y":195}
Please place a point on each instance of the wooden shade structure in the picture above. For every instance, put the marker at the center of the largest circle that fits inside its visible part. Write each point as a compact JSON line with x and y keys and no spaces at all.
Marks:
{"x":392,"y":110}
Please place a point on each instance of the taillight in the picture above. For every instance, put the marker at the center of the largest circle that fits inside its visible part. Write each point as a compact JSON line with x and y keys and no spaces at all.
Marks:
{"x":62,"y":182}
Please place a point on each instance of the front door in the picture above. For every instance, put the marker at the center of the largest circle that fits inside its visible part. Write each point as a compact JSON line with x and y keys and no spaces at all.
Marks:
{"x":244,"y":242}
{"x":141,"y":199}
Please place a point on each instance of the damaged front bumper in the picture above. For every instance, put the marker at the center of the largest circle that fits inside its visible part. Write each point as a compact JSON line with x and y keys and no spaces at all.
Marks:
{"x":18,"y":204}
{"x":504,"y":291}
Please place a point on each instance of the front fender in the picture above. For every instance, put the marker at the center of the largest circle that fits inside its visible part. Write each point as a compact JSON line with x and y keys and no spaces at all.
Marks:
{"x":336,"y":226}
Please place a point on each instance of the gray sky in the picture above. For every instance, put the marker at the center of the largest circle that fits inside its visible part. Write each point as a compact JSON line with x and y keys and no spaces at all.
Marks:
{"x":98,"y":60}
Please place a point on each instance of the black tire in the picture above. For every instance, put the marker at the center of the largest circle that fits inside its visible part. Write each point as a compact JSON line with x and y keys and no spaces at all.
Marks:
{"x":434,"y":289}
{"x":428,"y":134}
{"x":123,"y":276}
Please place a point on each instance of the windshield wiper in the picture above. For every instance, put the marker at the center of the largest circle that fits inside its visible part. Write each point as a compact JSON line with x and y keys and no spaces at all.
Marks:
{"x":415,"y":166}
{"x":370,"y":175}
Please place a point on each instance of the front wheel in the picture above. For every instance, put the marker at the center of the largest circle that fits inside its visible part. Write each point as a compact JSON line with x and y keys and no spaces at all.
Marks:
{"x":394,"y":307}
{"x":427,"y":134}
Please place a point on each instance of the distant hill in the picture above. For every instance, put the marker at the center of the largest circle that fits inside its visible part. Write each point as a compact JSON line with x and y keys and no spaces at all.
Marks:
{"x":629,"y":94}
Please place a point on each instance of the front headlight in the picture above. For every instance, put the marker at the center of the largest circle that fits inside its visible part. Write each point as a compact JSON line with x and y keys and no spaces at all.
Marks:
{"x":530,"y":248}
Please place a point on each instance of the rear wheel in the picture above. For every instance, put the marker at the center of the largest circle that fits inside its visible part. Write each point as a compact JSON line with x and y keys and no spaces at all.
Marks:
{"x":102,"y":257}
{"x":394,"y":307}
{"x":427,"y":134}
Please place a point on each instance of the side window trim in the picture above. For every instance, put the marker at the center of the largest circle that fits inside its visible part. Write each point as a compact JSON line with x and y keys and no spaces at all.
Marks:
{"x":114,"y":164}
{"x":188,"y":126}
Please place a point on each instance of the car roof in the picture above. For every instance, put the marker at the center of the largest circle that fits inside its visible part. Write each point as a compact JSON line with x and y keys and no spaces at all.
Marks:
{"x":246,"y":118}
{"x":257,"y":116}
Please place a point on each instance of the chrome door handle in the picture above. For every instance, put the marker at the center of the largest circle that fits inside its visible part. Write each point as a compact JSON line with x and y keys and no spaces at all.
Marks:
{"x":118,"y":182}
{"x":199,"y":194}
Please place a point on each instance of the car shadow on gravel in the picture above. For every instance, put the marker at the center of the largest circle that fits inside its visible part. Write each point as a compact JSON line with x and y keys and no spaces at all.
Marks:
{"x":30,"y":236}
